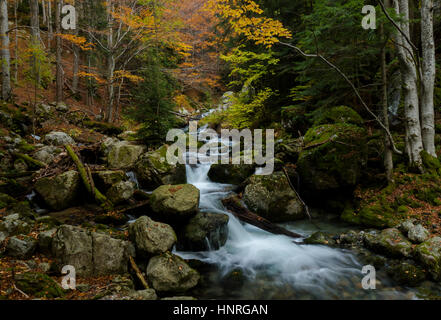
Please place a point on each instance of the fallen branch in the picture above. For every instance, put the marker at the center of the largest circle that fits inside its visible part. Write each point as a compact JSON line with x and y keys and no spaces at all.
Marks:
{"x":138,"y":273}
{"x":298,"y":195}
{"x":99,"y":197}
{"x":233,"y":205}
{"x":29,"y":160}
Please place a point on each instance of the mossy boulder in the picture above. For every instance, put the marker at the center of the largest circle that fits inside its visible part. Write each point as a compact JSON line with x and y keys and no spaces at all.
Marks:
{"x":153,"y":170}
{"x":151,"y":237}
{"x":104,"y":180}
{"x":21,"y":248}
{"x":320,"y":237}
{"x":170,"y":273}
{"x":333,"y":157}
{"x":375,"y":215}
{"x":47,"y":154}
{"x":204,"y":231}
{"x":121,"y":192}
{"x":38,"y":285}
{"x":429,"y":255}
{"x":58,"y":138}
{"x":231,"y":173}
{"x":390,"y":242}
{"x":123,"y":155}
{"x":61,"y":191}
{"x":341,"y":114}
{"x":177,"y":202}
{"x":14,"y":225}
{"x":407,"y":273}
{"x":271,"y":197}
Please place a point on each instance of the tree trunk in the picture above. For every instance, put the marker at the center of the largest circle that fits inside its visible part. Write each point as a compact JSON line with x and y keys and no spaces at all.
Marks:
{"x":35,"y":37}
{"x":60,"y":76}
{"x":76,"y":62}
{"x":4,"y":52}
{"x":110,"y":64}
{"x":414,"y":142}
{"x":49,"y":25}
{"x":428,"y":77}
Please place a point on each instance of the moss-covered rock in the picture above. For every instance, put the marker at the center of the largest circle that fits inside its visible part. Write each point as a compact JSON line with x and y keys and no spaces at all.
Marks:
{"x":176,"y":202}
{"x":406,"y":273}
{"x":271,"y":197}
{"x":320,"y":237}
{"x":333,"y":157}
{"x":104,"y":180}
{"x":123,"y":155}
{"x":204,"y":231}
{"x":61,"y":191}
{"x":390,"y":242}
{"x":121,"y":192}
{"x":6,"y":200}
{"x":170,"y":273}
{"x":231,"y":173}
{"x":153,"y":170}
{"x":429,"y":255}
{"x":341,"y":114}
{"x":38,"y":285}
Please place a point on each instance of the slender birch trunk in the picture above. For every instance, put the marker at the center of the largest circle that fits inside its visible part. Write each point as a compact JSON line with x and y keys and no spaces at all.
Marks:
{"x":4,"y":52}
{"x":35,"y":36}
{"x":60,"y":76}
{"x":428,"y":77}
{"x":110,"y":63}
{"x":76,"y":62}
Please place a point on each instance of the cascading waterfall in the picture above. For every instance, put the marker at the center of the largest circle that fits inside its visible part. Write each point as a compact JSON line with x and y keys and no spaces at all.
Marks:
{"x":309,"y":271}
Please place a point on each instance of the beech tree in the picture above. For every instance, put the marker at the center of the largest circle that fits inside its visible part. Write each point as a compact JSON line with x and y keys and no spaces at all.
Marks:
{"x":5,"y":55}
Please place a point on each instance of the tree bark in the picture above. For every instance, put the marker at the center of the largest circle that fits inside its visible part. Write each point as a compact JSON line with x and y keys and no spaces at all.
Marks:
{"x":110,"y":64}
{"x":4,"y":52}
{"x":414,"y":142}
{"x":76,"y":62}
{"x":60,"y":75}
{"x":428,"y":77}
{"x":49,"y":25}
{"x":35,"y":37}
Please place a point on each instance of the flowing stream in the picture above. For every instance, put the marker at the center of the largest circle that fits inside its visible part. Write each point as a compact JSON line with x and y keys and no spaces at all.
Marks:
{"x":255,"y":264}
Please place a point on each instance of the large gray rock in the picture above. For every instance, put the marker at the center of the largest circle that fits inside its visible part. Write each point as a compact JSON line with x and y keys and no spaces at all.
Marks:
{"x":151,"y":237}
{"x":45,"y":240}
{"x":176,"y":201}
{"x":90,"y":253}
{"x":47,"y":154}
{"x":429,"y":254}
{"x":21,"y":248}
{"x":61,"y":191}
{"x":170,"y":273}
{"x":13,"y":225}
{"x":418,"y":234}
{"x":57,"y":138}
{"x":202,"y":228}
{"x":121,"y":192}
{"x":271,"y":197}
{"x":390,"y":242}
{"x":153,"y":170}
{"x":123,"y":155}
{"x":147,"y":294}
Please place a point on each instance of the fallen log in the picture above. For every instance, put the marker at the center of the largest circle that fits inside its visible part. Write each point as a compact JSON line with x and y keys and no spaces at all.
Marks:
{"x":234,"y":205}
{"x":99,"y":197}
{"x":29,"y":160}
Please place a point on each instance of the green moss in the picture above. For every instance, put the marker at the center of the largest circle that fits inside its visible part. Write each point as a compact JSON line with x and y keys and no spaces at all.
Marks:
{"x":38,"y":285}
{"x":430,"y":162}
{"x":341,"y":114}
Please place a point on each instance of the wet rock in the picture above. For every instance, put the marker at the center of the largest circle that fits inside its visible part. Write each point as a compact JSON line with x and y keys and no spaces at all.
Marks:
{"x":407,"y":274}
{"x":121,"y":192}
{"x":333,"y":157}
{"x":123,"y":155}
{"x":351,"y":237}
{"x":202,"y":228}
{"x":418,"y":234}
{"x":170,"y":273}
{"x":147,"y":294}
{"x":176,"y":201}
{"x":231,"y":173}
{"x":90,"y":253}
{"x":21,"y":248}
{"x":151,"y":237}
{"x":320,"y":237}
{"x":271,"y":197}
{"x":38,"y":285}
{"x":106,"y":179}
{"x":429,"y":254}
{"x":153,"y":170}
{"x":47,"y":154}
{"x":389,"y":242}
{"x":13,"y":225}
{"x":56,"y":138}
{"x":61,"y":191}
